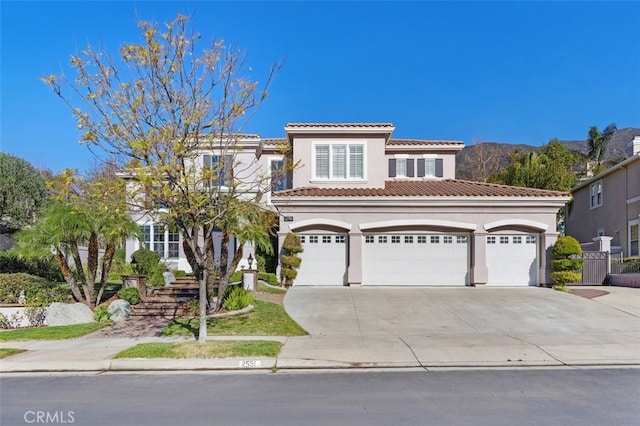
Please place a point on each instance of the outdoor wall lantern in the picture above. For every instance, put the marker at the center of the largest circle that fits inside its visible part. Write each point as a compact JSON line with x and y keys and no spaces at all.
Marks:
{"x":250,"y":260}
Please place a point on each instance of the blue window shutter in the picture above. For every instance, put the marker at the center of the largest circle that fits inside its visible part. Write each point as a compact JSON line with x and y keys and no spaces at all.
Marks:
{"x":410,"y":167}
{"x":439,"y":167}
{"x":420,"y":167}
{"x":392,"y":167}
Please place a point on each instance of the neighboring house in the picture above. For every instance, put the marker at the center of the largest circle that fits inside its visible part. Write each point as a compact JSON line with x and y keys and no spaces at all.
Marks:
{"x":609,"y":205}
{"x":372,"y":210}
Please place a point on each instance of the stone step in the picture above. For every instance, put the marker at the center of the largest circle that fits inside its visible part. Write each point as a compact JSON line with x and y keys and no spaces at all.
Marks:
{"x":157,"y":308}
{"x":173,"y":292}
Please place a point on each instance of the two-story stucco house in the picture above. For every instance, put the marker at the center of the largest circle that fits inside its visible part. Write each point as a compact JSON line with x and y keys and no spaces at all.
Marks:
{"x":609,"y":205}
{"x":373,"y":210}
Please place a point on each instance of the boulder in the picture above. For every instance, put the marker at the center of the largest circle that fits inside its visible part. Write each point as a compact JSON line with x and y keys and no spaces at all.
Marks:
{"x":119,"y":310}
{"x":168,"y":278}
{"x":68,"y":314}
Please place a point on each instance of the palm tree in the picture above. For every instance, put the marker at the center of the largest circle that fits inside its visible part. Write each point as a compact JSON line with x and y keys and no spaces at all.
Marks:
{"x":598,"y":141}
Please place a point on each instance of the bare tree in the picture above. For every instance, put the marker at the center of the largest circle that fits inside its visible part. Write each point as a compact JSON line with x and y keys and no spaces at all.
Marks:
{"x":156,"y":110}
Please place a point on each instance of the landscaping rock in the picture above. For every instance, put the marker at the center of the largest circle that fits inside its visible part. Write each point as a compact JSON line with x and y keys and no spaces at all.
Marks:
{"x":168,"y":278}
{"x":119,"y":310}
{"x":68,"y":314}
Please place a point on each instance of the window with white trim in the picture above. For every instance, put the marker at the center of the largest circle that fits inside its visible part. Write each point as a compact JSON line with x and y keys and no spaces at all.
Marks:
{"x":382,"y":239}
{"x":461,"y":239}
{"x":303,"y":239}
{"x":162,"y":240}
{"x":278,"y":175}
{"x":422,"y":239}
{"x":531,"y":239}
{"x":435,"y":239}
{"x":395,"y":239}
{"x":504,"y":240}
{"x":447,"y":239}
{"x":313,"y":239}
{"x":339,"y":161}
{"x":408,"y":239}
{"x":369,"y":239}
{"x":326,"y":239}
{"x":429,"y":167}
{"x":517,"y":240}
{"x":340,"y":239}
{"x":596,"y":194}
{"x":491,"y":240}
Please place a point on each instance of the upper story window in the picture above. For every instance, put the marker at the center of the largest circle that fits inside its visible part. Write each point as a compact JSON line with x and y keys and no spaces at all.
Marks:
{"x":401,"y":166}
{"x":339,"y":161}
{"x":220,"y":167}
{"x":278,"y":175}
{"x":634,"y":246}
{"x":596,"y":194}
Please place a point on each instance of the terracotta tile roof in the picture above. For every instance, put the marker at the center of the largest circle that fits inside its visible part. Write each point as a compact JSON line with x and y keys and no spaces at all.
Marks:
{"x":424,"y":188}
{"x":274,"y":141}
{"x":339,"y":125}
{"x":422,"y":142}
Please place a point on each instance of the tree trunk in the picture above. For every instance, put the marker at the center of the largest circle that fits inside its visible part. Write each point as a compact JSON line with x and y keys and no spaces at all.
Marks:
{"x":88,"y":290}
{"x":202,"y":333}
{"x":106,"y":267}
{"x":68,"y":276}
{"x":224,"y":277}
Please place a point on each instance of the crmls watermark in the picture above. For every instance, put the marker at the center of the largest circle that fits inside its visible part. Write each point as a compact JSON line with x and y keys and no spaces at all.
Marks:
{"x":50,"y":417}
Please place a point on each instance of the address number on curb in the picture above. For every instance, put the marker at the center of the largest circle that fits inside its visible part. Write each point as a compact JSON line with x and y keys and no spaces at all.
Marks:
{"x":247,"y":363}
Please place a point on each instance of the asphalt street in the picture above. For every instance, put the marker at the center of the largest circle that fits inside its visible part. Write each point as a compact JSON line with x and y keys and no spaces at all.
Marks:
{"x":417,"y":397}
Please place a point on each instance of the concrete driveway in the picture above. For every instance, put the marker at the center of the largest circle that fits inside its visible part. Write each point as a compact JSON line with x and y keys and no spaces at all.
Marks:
{"x":370,"y":312}
{"x":453,"y":327}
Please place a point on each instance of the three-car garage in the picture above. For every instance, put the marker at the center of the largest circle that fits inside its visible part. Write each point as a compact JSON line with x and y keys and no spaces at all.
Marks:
{"x":417,"y":259}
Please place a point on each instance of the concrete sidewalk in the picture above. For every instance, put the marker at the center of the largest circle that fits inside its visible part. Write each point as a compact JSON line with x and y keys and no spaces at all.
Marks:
{"x":453,"y":328}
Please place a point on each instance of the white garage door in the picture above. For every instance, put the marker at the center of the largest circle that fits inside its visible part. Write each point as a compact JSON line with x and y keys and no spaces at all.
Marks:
{"x":324,"y":260}
{"x":415,"y":259}
{"x":512,"y":260}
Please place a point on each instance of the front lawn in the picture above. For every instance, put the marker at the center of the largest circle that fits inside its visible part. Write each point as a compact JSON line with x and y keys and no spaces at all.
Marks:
{"x":51,"y":333}
{"x":267,"y":319}
{"x":267,"y":289}
{"x":10,"y":351}
{"x":209,"y":349}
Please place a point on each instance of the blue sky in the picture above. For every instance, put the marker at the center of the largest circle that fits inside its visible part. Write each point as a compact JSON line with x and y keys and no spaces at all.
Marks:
{"x":479,"y":71}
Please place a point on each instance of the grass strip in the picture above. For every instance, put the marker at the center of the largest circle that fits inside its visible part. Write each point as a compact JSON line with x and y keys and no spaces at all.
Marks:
{"x":209,"y":349}
{"x":5,"y":352}
{"x":267,"y":319}
{"x":51,"y":333}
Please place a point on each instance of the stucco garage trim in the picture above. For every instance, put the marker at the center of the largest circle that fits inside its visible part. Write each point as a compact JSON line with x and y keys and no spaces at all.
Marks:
{"x":516,"y":222}
{"x":418,"y":222}
{"x":316,"y":222}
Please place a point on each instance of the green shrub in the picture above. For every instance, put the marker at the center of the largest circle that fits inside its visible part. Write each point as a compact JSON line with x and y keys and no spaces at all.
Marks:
{"x":238,"y":298}
{"x":119,"y":266}
{"x":101,"y":314}
{"x":45,"y":268}
{"x":35,"y":315}
{"x":236,"y":277}
{"x":38,"y":291}
{"x":269,"y":278}
{"x":565,"y":247}
{"x":146,"y":261}
{"x":179,"y":273}
{"x":290,"y":261}
{"x":261,"y":261}
{"x":130,"y":294}
{"x":567,"y":263}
